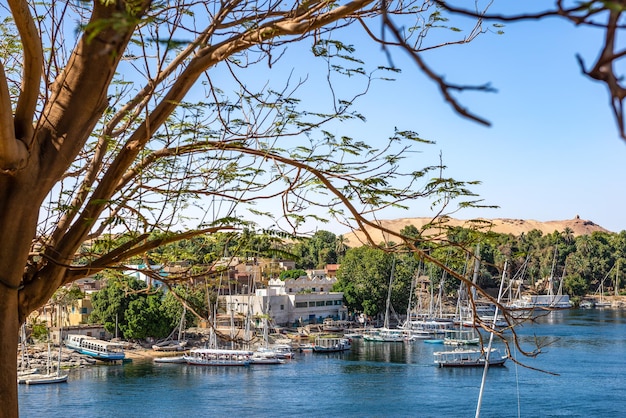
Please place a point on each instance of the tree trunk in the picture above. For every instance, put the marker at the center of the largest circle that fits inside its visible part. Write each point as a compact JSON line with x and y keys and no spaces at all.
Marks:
{"x":9,"y":330}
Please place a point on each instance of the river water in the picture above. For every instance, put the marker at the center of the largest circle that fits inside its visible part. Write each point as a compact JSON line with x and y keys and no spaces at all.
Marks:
{"x":586,"y":360}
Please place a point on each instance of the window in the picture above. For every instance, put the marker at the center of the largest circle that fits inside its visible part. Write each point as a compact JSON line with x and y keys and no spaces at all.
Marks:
{"x":301,"y":305}
{"x":329,"y":303}
{"x":313,"y":289}
{"x":321,"y":289}
{"x":319,"y":303}
{"x":282,"y":307}
{"x":338,"y":302}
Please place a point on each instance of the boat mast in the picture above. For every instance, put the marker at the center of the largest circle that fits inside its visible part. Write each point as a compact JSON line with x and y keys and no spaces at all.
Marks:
{"x":551,"y":278}
{"x":488,"y":352}
{"x":393,"y":266}
{"x":617,"y":279}
{"x":411,"y":291}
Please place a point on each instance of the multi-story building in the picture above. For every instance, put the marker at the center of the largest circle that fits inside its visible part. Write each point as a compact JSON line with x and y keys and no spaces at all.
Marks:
{"x":293,"y":302}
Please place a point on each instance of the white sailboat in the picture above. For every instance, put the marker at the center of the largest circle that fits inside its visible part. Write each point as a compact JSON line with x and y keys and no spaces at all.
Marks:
{"x":56,"y":376}
{"x":25,"y":368}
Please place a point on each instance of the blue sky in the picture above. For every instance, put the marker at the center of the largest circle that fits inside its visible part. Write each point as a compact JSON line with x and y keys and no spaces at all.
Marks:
{"x":553,"y":151}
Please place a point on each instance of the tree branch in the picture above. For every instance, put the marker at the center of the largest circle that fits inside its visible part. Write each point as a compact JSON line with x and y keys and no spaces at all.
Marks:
{"x":33,"y":67}
{"x":13,"y":153}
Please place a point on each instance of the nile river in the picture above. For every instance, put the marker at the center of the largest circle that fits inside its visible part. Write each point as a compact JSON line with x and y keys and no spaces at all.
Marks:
{"x":588,"y":352}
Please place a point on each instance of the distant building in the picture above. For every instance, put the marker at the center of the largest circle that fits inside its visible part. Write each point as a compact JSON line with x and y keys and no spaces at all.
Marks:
{"x":293,"y":302}
{"x":79,"y":312}
{"x":148,"y":274}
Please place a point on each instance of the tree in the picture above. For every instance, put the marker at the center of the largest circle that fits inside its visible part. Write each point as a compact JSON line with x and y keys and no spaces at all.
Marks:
{"x":111,"y":303}
{"x":291,"y":274}
{"x":146,"y":319}
{"x":128,"y":125}
{"x":128,"y":136}
{"x":364,"y":277}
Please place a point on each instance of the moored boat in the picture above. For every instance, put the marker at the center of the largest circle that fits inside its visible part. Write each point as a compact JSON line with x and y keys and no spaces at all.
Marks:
{"x":326,"y":344}
{"x":93,"y":347}
{"x":44,"y":379}
{"x":170,"y":346}
{"x":176,"y":359}
{"x":218,"y":357}
{"x":265,"y":356}
{"x":384,"y":335}
{"x":468,"y":358}
{"x":461,"y":337}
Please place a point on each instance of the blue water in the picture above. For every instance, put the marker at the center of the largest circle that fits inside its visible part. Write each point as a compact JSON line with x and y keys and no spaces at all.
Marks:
{"x":587,"y":351}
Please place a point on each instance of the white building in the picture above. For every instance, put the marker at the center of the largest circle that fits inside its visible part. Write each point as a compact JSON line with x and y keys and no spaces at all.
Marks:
{"x":293,"y":302}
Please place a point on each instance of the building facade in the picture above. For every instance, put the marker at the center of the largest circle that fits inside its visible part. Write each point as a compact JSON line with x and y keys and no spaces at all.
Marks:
{"x":291,"y":303}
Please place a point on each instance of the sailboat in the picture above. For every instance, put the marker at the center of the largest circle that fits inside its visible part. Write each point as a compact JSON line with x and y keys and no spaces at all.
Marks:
{"x":25,"y":368}
{"x":604,"y":303}
{"x":50,"y":376}
{"x":462,"y":357}
{"x":427,"y":327}
{"x":549,"y":301}
{"x":386,"y":334}
{"x":174,"y":345}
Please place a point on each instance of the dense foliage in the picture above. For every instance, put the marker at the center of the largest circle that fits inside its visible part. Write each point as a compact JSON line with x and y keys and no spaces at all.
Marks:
{"x":127,"y":304}
{"x":580,"y":264}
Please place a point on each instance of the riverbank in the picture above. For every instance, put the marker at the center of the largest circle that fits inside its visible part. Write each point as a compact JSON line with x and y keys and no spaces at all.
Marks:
{"x":616,"y":302}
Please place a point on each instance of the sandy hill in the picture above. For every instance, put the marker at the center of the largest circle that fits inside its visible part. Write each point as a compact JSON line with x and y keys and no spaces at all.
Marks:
{"x":505,"y":226}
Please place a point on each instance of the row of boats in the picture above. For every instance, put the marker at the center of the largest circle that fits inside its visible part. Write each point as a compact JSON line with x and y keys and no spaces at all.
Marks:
{"x":83,"y":344}
{"x":275,"y":354}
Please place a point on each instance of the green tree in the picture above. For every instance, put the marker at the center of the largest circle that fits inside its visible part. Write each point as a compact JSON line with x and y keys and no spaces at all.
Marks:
{"x":364,"y":277}
{"x":146,"y":318}
{"x":111,"y":303}
{"x":291,"y":274}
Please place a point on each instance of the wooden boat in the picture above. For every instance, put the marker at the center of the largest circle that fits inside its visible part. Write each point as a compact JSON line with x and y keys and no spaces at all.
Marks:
{"x":93,"y":347}
{"x":218,"y":357}
{"x":468,"y":358}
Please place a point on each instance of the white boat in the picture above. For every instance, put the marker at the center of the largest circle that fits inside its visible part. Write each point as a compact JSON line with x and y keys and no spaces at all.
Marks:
{"x":549,"y":301}
{"x":170,"y":346}
{"x":384,"y":335}
{"x":461,"y":337}
{"x":44,"y":379}
{"x":49,"y":377}
{"x":468,"y":358}
{"x":93,"y":347}
{"x":542,"y":302}
{"x":325,"y":344}
{"x":218,"y":357}
{"x":283,"y":351}
{"x":265,"y":356}
{"x":27,"y":372}
{"x":177,"y":359}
